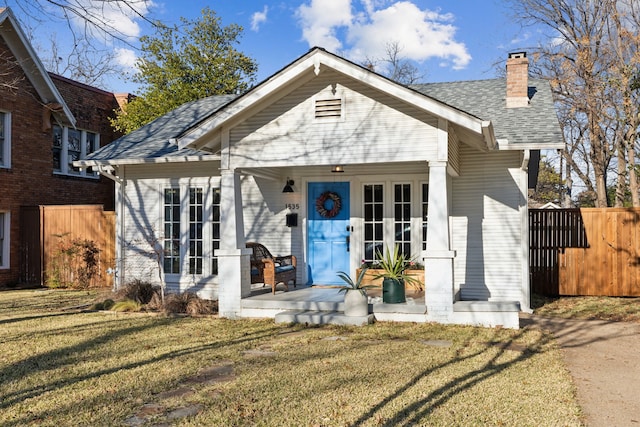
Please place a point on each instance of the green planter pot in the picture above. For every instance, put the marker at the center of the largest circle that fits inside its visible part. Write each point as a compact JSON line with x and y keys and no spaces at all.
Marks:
{"x":393,"y":291}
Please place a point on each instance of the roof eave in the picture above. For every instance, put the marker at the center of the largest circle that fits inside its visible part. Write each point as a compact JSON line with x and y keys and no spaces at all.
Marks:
{"x":147,"y":160}
{"x":37,"y":74}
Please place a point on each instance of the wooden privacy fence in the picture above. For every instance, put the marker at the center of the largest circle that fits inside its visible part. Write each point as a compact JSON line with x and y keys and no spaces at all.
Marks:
{"x":588,"y":251}
{"x":45,"y":230}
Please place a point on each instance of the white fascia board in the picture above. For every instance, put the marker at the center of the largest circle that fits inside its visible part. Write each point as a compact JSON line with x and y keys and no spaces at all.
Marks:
{"x":237,"y":107}
{"x":25,"y":53}
{"x":504,"y":145}
{"x":155,"y":160}
{"x":316,"y":61}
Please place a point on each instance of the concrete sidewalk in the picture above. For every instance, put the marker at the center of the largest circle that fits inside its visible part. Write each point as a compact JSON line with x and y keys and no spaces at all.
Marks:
{"x":604,"y":361}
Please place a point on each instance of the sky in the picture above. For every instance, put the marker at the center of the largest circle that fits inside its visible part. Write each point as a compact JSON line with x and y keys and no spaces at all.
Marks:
{"x":449,"y":40}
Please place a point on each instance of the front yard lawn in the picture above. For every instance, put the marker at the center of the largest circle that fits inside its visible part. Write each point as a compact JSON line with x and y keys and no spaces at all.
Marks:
{"x":62,"y":366}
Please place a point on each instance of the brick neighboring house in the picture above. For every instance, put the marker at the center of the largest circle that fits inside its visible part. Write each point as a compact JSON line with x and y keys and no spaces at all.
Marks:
{"x":46,"y":122}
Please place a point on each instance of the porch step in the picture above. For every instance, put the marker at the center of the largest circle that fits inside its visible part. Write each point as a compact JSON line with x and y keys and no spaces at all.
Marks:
{"x":322,"y":318}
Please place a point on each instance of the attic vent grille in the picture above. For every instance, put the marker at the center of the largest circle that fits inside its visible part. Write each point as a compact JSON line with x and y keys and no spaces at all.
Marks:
{"x":328,"y":108}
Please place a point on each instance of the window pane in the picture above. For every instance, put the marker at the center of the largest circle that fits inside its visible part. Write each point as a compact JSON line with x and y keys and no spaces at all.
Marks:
{"x":172,"y":231}
{"x":215,"y":230}
{"x":57,"y":148}
{"x":73,"y":149}
{"x":402,"y":225}
{"x":2,"y":142}
{"x":373,"y":220}
{"x":425,"y":210}
{"x":90,"y":143}
{"x":195,"y":230}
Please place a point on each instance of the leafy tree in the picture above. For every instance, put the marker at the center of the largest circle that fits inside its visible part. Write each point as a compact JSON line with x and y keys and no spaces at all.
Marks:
{"x":550,"y":186}
{"x":178,"y":65}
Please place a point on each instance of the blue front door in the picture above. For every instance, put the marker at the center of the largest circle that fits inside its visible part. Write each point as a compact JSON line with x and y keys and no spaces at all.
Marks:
{"x":328,"y":231}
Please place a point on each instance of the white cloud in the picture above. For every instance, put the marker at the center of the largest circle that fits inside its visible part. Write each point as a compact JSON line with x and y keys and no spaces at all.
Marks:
{"x":259,"y":18}
{"x":321,"y":18}
{"x":126,"y":58}
{"x":421,"y":34}
{"x":113,"y":16}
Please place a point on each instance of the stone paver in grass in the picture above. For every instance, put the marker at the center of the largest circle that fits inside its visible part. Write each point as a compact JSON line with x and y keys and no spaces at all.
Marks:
{"x":154,"y":411}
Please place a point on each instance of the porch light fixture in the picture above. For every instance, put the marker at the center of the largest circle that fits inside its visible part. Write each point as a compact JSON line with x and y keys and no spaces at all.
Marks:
{"x":288,"y":188}
{"x":337,"y":169}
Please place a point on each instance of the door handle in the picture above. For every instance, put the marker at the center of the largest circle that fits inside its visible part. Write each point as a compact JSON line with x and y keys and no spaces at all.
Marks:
{"x":348,"y":242}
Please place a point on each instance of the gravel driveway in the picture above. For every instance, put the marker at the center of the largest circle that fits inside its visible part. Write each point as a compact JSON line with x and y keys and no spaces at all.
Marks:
{"x":604,"y":361}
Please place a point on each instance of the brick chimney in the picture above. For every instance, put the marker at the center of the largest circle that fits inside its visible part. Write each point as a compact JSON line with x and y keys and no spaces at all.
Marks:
{"x":517,"y":80}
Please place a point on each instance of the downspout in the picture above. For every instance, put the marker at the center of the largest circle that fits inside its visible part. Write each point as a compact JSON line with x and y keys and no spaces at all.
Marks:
{"x":109,"y":172}
{"x":526,"y":291}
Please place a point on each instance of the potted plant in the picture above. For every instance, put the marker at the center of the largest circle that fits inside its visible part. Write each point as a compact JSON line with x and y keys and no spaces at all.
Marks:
{"x":356,"y":302}
{"x":393,"y":266}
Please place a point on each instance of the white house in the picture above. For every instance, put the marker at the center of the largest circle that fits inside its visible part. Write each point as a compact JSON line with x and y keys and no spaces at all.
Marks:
{"x":440,"y":169}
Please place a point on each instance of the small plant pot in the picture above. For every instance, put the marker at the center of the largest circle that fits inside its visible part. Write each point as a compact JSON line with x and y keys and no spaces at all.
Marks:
{"x":393,"y":291}
{"x":356,"y":304}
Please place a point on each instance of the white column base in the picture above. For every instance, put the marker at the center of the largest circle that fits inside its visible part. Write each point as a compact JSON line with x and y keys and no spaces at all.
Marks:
{"x":439,"y":285}
{"x":234,"y":275}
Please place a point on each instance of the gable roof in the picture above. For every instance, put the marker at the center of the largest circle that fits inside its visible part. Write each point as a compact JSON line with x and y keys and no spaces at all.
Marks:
{"x":478,"y":106}
{"x":306,"y":68}
{"x":520,"y":128}
{"x":17,"y":41}
{"x":154,"y":142}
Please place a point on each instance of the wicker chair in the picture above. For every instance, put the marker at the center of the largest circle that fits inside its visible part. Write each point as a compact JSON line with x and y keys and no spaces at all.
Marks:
{"x":270,"y":270}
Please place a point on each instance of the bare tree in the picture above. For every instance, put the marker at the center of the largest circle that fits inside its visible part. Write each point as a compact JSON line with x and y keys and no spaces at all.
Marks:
{"x":589,"y":58}
{"x":395,"y":66}
{"x":95,"y":28}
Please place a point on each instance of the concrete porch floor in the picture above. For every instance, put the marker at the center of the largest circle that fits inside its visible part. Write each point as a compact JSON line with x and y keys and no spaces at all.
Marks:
{"x":327,"y":299}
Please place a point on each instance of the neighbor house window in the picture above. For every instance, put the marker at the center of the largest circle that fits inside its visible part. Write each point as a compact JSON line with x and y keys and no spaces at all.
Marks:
{"x":5,"y":140}
{"x":373,"y":221}
{"x":4,"y":239}
{"x":402,"y":217}
{"x":171,"y":231}
{"x":70,"y":145}
{"x":425,"y":212}
{"x":215,"y":230}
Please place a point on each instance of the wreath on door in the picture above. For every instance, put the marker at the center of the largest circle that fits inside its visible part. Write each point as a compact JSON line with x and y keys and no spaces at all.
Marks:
{"x":321,"y":207}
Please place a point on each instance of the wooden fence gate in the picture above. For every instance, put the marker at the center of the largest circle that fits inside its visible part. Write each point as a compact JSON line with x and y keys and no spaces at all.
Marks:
{"x":44,"y":228}
{"x":588,"y":251}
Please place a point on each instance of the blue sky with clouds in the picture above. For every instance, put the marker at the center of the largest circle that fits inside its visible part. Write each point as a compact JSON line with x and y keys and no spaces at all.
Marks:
{"x":449,"y":40}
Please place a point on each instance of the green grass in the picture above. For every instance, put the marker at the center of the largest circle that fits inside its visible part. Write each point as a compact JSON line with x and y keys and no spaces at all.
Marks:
{"x":601,"y":308}
{"x":61,"y":366}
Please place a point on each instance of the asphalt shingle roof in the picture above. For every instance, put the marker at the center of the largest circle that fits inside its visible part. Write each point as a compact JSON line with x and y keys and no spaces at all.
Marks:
{"x":485,"y":99}
{"x":152,"y":140}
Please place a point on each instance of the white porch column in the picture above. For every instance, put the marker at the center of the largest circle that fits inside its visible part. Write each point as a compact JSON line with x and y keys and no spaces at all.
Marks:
{"x":438,"y":258}
{"x":234,"y":273}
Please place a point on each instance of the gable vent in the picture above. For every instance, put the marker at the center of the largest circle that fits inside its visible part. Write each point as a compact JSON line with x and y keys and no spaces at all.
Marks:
{"x":328,"y":108}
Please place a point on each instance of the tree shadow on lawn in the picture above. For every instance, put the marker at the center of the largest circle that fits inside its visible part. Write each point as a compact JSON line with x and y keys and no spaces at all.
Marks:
{"x":70,"y":355}
{"x":414,"y":414}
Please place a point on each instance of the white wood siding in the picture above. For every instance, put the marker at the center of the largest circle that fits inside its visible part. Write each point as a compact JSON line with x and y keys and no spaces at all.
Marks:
{"x":453,"y":150}
{"x":265,"y":209}
{"x":486,"y":226}
{"x":373,"y":128}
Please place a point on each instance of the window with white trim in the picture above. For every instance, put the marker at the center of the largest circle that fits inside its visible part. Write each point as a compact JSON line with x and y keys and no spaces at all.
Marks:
{"x":5,"y":139}
{"x":402,"y":218}
{"x":171,"y":261}
{"x":425,"y":214}
{"x":373,"y":221}
{"x":70,"y":145}
{"x":4,"y":239}
{"x":191,"y":226}
{"x":215,"y":230}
